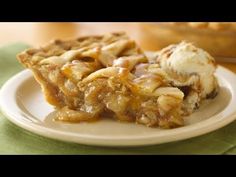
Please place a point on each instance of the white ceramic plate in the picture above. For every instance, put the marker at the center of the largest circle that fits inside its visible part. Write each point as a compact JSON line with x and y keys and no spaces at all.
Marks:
{"x":22,"y":102}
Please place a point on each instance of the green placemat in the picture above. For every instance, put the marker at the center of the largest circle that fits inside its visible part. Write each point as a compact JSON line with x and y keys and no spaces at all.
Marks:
{"x":15,"y":140}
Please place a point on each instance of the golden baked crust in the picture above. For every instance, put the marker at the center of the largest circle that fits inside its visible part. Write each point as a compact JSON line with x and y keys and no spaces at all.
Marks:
{"x":52,"y":69}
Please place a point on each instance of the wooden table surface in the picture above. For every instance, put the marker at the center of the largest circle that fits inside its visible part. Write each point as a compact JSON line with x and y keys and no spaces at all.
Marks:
{"x":39,"y":33}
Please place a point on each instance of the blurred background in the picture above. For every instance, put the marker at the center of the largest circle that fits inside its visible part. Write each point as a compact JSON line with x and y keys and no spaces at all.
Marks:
{"x":217,"y":38}
{"x":37,"y":34}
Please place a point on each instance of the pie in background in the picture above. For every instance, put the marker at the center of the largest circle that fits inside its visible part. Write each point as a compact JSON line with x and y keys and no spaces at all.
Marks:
{"x":218,"y":38}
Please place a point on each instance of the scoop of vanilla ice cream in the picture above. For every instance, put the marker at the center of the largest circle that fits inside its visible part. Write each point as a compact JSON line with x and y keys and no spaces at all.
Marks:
{"x":185,"y":59}
{"x":189,"y":59}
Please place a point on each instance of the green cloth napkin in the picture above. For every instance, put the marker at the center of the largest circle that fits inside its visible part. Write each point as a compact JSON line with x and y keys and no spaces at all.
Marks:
{"x":15,"y":140}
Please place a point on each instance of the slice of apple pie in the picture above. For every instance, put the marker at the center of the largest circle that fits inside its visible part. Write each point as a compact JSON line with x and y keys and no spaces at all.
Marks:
{"x":105,"y":76}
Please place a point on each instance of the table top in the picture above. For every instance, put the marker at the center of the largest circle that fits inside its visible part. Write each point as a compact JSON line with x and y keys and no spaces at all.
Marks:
{"x":39,"y":33}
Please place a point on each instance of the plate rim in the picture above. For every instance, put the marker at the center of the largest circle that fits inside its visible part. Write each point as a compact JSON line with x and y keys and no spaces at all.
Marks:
{"x":182,"y":134}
